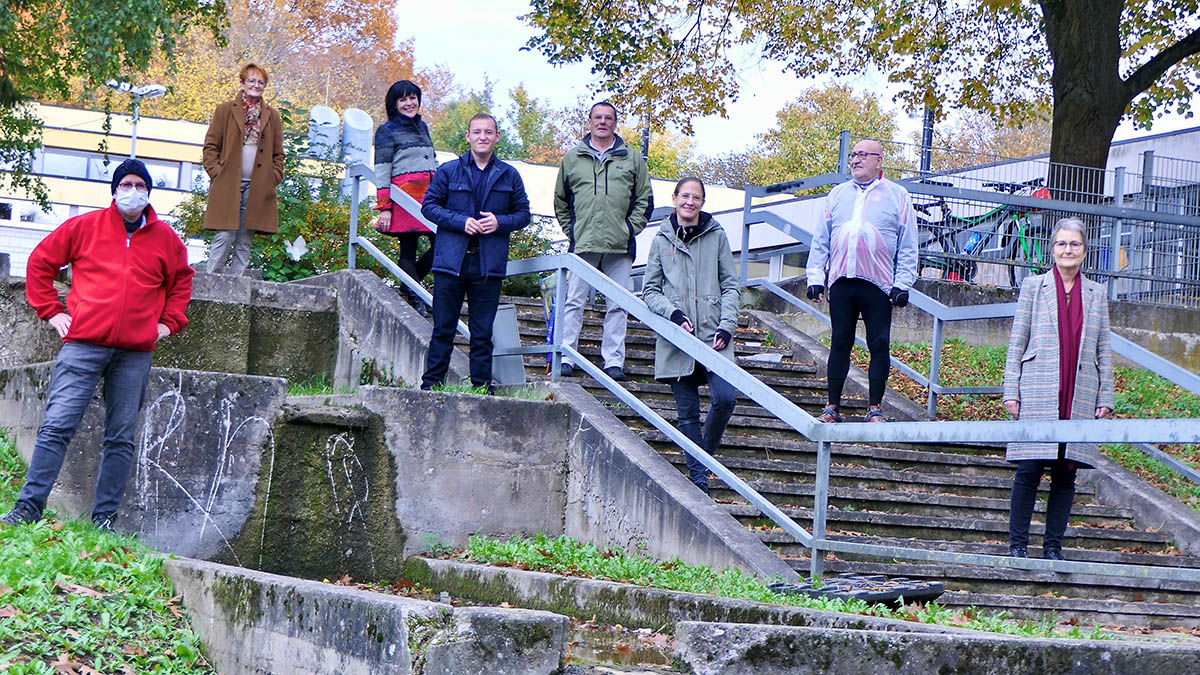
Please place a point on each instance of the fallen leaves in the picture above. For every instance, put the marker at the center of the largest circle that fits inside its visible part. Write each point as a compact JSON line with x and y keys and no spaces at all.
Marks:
{"x":76,"y":589}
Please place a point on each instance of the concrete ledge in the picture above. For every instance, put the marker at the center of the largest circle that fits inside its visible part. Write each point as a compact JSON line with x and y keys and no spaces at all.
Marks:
{"x":381,"y":339}
{"x":894,"y":405}
{"x":252,"y":622}
{"x":627,"y":604}
{"x":621,"y":492}
{"x":1152,"y":508}
{"x":739,"y":649}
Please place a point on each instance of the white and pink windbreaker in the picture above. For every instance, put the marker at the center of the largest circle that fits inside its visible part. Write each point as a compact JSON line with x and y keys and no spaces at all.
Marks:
{"x":870,"y":233}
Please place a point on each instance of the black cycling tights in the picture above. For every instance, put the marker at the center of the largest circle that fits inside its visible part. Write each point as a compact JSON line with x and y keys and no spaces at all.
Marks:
{"x":848,"y":299}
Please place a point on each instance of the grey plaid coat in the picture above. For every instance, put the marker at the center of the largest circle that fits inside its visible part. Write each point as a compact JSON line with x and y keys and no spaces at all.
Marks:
{"x":1031,"y":369}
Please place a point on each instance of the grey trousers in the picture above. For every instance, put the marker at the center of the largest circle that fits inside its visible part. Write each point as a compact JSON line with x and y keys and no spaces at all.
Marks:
{"x":235,"y":241}
{"x":617,"y":267}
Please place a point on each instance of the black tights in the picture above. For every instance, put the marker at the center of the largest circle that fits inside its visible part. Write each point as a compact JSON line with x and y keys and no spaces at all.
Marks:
{"x":1058,"y":506}
{"x":416,"y":268}
{"x":849,"y":299}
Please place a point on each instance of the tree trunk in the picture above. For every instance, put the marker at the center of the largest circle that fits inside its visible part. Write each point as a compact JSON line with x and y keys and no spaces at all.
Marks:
{"x":1089,"y":95}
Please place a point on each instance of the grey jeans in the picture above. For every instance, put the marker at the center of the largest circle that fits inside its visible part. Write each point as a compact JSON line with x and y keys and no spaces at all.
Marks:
{"x":77,"y":371}
{"x":617,"y":267}
{"x":236,"y":240}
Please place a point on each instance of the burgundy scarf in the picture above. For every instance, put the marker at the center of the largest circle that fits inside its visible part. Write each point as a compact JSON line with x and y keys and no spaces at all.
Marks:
{"x":1070,"y":327}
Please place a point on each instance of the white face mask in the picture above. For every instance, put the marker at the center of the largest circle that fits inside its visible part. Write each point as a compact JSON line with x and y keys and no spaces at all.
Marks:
{"x":132,"y":200}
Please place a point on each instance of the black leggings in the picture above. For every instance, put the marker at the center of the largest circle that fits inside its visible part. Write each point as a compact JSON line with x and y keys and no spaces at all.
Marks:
{"x":849,"y":299}
{"x":409,"y":241}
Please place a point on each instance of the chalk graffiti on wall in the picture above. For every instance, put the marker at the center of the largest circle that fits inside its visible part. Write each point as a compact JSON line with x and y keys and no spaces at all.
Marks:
{"x":162,"y":443}
{"x":346,"y":470}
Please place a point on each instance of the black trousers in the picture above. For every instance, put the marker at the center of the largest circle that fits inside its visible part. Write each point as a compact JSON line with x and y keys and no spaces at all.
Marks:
{"x":483,"y":296}
{"x":848,"y":300}
{"x":1024,"y":495}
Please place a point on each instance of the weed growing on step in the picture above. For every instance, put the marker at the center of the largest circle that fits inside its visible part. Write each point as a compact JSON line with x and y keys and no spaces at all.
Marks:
{"x":775,"y":342}
{"x":564,"y":555}
{"x":527,"y":392}
{"x":316,"y":385}
{"x":73,"y":598}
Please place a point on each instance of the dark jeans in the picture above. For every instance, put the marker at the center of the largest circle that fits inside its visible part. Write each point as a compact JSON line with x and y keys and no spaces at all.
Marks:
{"x":1058,"y":507}
{"x":722,"y":397}
{"x":483,"y":296}
{"x":849,"y":299}
{"x":77,"y":370}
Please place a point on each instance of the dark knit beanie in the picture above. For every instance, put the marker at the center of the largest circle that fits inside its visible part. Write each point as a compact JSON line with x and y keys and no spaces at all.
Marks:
{"x":131,"y":166}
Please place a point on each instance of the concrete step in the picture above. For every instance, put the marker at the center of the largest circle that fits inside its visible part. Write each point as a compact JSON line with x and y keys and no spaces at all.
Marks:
{"x":944,"y":528}
{"x":1083,"y":611}
{"x":895,"y":458}
{"x":1028,"y":583}
{"x":923,"y":489}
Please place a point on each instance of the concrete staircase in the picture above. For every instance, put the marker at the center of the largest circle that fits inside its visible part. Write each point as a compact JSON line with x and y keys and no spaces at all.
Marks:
{"x":952,"y":498}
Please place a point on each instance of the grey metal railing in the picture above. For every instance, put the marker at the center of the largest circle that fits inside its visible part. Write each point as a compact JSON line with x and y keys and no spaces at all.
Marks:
{"x":1129,"y":431}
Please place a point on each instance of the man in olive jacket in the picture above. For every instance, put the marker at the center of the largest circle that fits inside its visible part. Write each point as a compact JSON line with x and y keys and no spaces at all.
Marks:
{"x":602,"y":200}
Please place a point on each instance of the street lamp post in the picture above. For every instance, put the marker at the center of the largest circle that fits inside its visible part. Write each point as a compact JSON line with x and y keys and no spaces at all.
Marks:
{"x":137,"y":93}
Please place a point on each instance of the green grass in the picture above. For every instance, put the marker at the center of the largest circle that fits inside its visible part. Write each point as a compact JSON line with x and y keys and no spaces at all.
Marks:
{"x":316,"y":385}
{"x":70,"y":593}
{"x":564,"y":555}
{"x":527,"y":392}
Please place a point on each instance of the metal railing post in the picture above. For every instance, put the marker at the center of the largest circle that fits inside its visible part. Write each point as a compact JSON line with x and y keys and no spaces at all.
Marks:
{"x":843,"y":159}
{"x":351,"y":254}
{"x":1114,"y":234}
{"x":935,"y":367}
{"x":820,"y":504}
{"x":560,"y":298}
{"x":743,"y":257}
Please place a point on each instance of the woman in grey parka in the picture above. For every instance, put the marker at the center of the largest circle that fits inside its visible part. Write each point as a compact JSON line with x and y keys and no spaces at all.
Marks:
{"x":691,"y":279}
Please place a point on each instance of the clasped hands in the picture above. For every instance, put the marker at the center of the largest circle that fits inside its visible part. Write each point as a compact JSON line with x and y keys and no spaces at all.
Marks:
{"x":485,"y":225}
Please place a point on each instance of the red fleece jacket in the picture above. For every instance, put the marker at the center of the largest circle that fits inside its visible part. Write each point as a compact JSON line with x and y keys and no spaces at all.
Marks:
{"x":122,"y":286}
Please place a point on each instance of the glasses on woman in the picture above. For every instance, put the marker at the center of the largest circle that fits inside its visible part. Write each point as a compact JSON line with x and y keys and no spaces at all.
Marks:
{"x":1060,"y":245}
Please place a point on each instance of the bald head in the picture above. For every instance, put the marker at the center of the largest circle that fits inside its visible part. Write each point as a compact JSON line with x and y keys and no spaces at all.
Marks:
{"x":866,"y":160}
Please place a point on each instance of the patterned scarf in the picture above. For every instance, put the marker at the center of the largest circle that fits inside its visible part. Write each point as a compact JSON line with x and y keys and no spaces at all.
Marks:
{"x":252,"y":111}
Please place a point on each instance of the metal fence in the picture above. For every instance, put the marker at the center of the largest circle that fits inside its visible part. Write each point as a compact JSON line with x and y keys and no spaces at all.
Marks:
{"x":986,"y":219}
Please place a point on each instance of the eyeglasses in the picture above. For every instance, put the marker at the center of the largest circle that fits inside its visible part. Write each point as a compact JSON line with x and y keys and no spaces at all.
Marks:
{"x":864,"y":155}
{"x":140,"y":187}
{"x":255,"y":80}
{"x":1065,"y":244}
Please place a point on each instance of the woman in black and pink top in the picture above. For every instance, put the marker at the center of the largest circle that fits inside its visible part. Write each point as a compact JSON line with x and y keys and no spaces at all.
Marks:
{"x":404,"y":157}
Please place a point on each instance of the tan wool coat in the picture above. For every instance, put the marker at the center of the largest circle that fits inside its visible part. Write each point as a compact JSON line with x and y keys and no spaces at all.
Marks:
{"x":1031,"y":369}
{"x":223,"y":162}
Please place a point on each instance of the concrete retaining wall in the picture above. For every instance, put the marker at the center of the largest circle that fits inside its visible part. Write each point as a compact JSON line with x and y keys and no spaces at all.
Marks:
{"x":251,"y":622}
{"x":740,"y":649}
{"x":203,"y":442}
{"x":381,"y":339}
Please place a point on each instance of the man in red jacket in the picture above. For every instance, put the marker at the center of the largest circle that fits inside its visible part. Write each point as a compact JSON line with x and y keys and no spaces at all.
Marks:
{"x":130,"y":288}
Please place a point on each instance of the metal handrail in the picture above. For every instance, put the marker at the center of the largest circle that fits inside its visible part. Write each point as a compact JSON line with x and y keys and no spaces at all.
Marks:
{"x":807,"y":426}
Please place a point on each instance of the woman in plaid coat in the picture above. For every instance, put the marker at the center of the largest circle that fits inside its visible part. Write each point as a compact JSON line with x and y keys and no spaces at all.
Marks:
{"x":1059,"y":366}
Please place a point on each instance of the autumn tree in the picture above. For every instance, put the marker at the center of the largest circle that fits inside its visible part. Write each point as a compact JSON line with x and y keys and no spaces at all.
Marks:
{"x":670,"y":153}
{"x":339,"y":54}
{"x":804,"y":141}
{"x":1096,"y":60}
{"x":540,"y":129}
{"x":731,"y":169}
{"x":47,"y":44}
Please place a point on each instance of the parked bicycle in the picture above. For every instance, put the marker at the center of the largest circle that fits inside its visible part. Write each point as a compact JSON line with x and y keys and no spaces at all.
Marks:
{"x":955,"y":246}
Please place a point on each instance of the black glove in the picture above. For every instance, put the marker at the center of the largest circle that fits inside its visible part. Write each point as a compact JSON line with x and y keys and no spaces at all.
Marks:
{"x":815,"y":292}
{"x":678,"y":317}
{"x":899,"y":297}
{"x":724,"y":335}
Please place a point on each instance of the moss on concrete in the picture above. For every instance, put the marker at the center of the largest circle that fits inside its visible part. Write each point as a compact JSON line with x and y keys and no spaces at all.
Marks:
{"x":240,"y":599}
{"x":216,"y":339}
{"x":294,"y":344}
{"x":331,"y":504}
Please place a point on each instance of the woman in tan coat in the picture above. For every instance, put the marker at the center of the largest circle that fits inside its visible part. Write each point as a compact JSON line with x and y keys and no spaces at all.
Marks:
{"x":1059,"y":367}
{"x":243,"y":155}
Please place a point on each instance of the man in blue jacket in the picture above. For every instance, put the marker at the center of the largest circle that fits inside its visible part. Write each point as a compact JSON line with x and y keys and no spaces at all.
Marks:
{"x":475,"y":201}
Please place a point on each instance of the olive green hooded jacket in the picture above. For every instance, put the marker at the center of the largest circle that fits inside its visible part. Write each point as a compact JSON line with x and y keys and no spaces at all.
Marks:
{"x":698,"y":278}
{"x":602,"y":204}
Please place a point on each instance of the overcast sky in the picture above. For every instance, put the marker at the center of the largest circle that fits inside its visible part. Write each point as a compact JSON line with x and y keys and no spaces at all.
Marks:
{"x":473,"y":39}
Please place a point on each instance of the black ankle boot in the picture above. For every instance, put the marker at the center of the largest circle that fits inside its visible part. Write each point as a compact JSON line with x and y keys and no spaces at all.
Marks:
{"x":1052,"y":553}
{"x":1018,"y":552}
